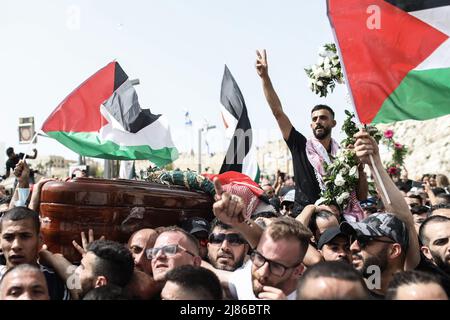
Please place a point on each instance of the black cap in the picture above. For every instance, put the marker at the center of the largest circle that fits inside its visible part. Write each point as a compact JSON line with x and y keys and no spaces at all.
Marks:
{"x":195,"y":224}
{"x":329,"y":235}
{"x":379,"y":225}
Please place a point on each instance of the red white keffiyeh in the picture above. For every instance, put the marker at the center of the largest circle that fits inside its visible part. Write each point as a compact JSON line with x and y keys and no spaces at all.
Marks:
{"x":317,"y":155}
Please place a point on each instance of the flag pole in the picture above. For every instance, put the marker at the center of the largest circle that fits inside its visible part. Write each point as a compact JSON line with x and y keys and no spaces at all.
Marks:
{"x":377,"y":174}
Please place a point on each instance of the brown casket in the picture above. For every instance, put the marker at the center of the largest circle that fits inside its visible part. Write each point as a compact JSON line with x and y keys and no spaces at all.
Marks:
{"x":114,"y":208}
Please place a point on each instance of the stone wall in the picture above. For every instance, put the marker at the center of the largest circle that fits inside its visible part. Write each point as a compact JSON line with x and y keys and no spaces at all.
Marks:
{"x":428,"y":143}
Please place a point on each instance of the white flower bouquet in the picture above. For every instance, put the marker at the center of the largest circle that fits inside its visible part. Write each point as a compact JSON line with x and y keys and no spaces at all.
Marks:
{"x":327,"y":72}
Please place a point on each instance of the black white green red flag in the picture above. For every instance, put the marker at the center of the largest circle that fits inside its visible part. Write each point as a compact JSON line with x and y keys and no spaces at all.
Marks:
{"x":396,"y":55}
{"x":241,"y":154}
{"x":102,"y":118}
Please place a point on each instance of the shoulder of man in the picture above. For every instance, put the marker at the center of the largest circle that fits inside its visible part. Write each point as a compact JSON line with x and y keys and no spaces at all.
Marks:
{"x":57,"y":289}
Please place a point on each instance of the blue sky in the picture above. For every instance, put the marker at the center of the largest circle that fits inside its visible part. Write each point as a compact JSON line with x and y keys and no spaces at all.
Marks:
{"x":177,"y":48}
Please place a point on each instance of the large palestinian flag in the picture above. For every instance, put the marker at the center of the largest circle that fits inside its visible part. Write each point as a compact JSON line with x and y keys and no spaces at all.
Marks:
{"x":102,"y":119}
{"x":241,"y":154}
{"x":396,"y":56}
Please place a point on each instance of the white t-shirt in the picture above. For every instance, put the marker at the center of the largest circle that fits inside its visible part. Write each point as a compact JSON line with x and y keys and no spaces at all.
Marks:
{"x":240,"y":284}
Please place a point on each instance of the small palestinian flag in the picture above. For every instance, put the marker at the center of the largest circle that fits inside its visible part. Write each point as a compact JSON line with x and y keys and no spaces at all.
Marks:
{"x":241,"y":154}
{"x":102,"y":119}
{"x":396,"y":55}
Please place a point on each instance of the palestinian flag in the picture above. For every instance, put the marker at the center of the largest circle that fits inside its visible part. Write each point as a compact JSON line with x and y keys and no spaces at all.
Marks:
{"x":102,"y":119}
{"x":396,"y":56}
{"x":241,"y":154}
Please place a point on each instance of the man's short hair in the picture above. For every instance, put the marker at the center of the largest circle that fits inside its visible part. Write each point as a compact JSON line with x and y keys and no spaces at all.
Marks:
{"x":289,"y":228}
{"x":193,"y":240}
{"x":197,"y":279}
{"x":20,"y":267}
{"x":322,"y":107}
{"x":330,"y":269}
{"x":409,"y":277}
{"x":106,"y":292}
{"x":445,"y":198}
{"x":21,"y":213}
{"x":216,"y":223}
{"x":415,"y":196}
{"x":9,"y":151}
{"x":324,"y":214}
{"x":432,"y":219}
{"x":114,"y":261}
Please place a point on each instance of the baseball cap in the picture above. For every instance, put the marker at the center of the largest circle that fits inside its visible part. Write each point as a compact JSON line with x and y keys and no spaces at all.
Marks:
{"x":195,"y":224}
{"x":379,"y":225}
{"x":289,"y":197}
{"x":328,"y":235}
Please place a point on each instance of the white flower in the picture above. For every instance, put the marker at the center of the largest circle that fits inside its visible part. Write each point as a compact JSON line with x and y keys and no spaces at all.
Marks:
{"x":319,"y":83}
{"x":354,"y":172}
{"x":339,"y":181}
{"x":322,"y":52}
{"x":319,"y":72}
{"x":343,"y":171}
{"x":327,"y":73}
{"x":335,"y":60}
{"x":327,"y":63}
{"x":342,"y":197}
{"x":320,"y":61}
{"x":334,"y":71}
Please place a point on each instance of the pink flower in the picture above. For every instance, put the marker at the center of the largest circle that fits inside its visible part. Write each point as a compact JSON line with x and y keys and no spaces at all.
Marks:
{"x":388,"y":134}
{"x":398,"y":146}
{"x":392,"y":171}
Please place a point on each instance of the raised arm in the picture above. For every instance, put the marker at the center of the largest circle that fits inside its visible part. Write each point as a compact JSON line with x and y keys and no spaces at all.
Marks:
{"x":229,"y":209}
{"x":365,"y":145}
{"x":271,"y":96}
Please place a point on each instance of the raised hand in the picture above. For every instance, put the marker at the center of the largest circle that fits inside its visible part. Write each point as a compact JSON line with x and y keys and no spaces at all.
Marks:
{"x":85,"y":242}
{"x":228,"y":208}
{"x":261,"y":63}
{"x":365,"y":146}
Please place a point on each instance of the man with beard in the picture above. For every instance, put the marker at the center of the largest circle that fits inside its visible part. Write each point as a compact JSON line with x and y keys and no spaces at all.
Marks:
{"x":227,"y":248}
{"x":276,"y":262}
{"x":383,"y":243}
{"x":435,"y":237}
{"x":308,"y":155}
{"x":105,"y":262}
{"x":379,"y":244}
{"x":334,"y":245}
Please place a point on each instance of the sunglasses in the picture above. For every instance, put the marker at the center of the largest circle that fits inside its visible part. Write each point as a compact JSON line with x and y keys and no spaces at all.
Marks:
{"x":169,"y":251}
{"x":364,"y":241}
{"x":233,"y":239}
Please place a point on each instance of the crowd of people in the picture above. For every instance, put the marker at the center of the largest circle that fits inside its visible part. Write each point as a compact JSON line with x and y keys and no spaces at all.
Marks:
{"x":295,"y":248}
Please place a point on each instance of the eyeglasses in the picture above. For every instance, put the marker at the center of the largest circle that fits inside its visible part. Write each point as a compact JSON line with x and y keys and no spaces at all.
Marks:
{"x":276,"y":268}
{"x":233,"y":239}
{"x":364,"y":241}
{"x":169,"y":250}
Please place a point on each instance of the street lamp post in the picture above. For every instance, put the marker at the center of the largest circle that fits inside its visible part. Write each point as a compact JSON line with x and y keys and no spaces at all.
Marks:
{"x":200,"y":146}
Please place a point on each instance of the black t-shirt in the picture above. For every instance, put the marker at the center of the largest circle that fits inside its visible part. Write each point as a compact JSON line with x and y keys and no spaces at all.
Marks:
{"x":426,"y":265}
{"x":56,"y":287}
{"x":12,"y":163}
{"x":307,"y":187}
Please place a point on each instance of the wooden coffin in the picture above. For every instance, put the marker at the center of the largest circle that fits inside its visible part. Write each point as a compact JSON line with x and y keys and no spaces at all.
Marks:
{"x":114,"y":208}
